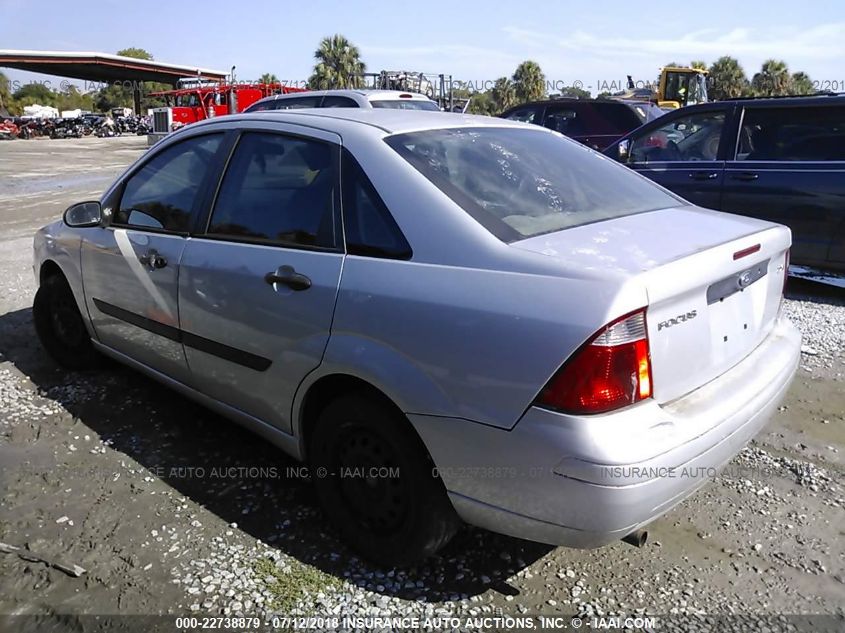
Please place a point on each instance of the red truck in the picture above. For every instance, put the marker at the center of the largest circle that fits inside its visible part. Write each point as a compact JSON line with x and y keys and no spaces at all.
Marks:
{"x":196,"y":100}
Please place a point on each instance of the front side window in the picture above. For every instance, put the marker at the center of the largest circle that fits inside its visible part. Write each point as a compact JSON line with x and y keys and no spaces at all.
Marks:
{"x":694,"y":137}
{"x":161,"y":195}
{"x":277,"y":189}
{"x":522,"y":182}
{"x":792,"y":134}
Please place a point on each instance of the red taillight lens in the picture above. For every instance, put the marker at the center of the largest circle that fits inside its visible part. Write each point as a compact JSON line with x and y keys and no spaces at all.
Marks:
{"x":610,"y":371}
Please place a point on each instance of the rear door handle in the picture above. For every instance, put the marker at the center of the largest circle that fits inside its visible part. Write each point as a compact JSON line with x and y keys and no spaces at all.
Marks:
{"x":152,"y":259}
{"x":745,"y":175}
{"x":287,"y":276}
{"x":704,"y":175}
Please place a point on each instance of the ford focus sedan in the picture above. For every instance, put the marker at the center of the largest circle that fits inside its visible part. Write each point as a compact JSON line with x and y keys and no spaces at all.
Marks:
{"x":447,"y":317}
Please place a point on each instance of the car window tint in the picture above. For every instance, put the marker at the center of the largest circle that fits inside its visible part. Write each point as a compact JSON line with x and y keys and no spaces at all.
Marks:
{"x":563,"y":120}
{"x":521,"y":182}
{"x":789,"y":134}
{"x":694,"y":137}
{"x":368,"y":226}
{"x":333,"y":101}
{"x":525,"y":115}
{"x":162,"y":193}
{"x":277,"y":189}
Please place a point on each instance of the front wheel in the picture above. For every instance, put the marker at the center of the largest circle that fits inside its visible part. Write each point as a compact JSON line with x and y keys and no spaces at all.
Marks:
{"x":376,"y":482}
{"x":60,"y":327}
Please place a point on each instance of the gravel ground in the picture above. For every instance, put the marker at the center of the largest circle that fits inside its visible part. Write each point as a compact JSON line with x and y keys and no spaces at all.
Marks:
{"x":172,"y":510}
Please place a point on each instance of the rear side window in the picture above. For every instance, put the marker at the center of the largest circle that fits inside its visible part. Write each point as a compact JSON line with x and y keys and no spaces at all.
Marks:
{"x":279,"y":190}
{"x":791,"y":134}
{"x":162,"y":193}
{"x":369,"y":228}
{"x":334,"y":101}
{"x":522,"y":182}
{"x":285,"y":104}
{"x":525,"y":115}
{"x":592,"y":118}
{"x":406,"y":104}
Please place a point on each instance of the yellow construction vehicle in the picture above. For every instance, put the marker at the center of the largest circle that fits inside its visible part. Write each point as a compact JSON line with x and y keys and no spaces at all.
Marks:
{"x":676,"y":87}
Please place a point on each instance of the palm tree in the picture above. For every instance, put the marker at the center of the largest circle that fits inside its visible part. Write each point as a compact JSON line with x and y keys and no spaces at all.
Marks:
{"x":801,"y":84}
{"x":268,"y":78}
{"x":338,"y":65}
{"x":772,"y":80}
{"x":529,"y":82}
{"x":727,"y":79}
{"x":503,"y":94}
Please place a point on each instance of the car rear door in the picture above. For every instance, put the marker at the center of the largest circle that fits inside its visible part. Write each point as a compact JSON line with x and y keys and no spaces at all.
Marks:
{"x":259,"y":281}
{"x":789,"y":167}
{"x":684,"y":152}
{"x":131,"y":267}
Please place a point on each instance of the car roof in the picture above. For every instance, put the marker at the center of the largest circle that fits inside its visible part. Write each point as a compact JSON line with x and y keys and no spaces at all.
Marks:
{"x":372,"y":95}
{"x":788,"y":100}
{"x":386,"y":120}
{"x":545,"y":102}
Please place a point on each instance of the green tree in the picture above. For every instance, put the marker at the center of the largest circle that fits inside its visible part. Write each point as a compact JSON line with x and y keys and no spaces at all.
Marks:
{"x":698,"y":65}
{"x":503,"y":94}
{"x":338,"y":65}
{"x":575,"y":93}
{"x":801,"y":84}
{"x":137,"y":53}
{"x":32,"y":93}
{"x":727,"y":79}
{"x":482,"y":103}
{"x":268,"y":78}
{"x":772,"y":80}
{"x":529,"y":82}
{"x":7,"y":103}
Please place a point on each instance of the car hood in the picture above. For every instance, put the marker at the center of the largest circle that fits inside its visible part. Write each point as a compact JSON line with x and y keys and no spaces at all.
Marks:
{"x":637,"y":243}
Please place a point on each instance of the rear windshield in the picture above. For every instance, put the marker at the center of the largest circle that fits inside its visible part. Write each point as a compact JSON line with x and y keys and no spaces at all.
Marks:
{"x":406,"y":104}
{"x":522,"y":182}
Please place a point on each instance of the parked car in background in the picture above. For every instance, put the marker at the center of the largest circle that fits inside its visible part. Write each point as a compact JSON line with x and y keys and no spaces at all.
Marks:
{"x":393,"y":99}
{"x":446,"y":315}
{"x":777,"y":159}
{"x":593,"y":122}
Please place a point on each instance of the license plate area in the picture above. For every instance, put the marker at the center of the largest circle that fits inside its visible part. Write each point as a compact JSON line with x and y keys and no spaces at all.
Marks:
{"x":736,"y":309}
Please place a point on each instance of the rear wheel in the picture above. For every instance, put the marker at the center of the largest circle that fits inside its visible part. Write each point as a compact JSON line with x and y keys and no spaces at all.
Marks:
{"x":376,"y":483}
{"x":60,"y":327}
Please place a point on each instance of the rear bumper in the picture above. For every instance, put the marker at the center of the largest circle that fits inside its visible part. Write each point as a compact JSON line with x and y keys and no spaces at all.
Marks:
{"x":588,"y":481}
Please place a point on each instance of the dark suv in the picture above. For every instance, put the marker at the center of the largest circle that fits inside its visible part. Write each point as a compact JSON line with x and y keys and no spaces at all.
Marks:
{"x":779,"y":159}
{"x":594,"y":122}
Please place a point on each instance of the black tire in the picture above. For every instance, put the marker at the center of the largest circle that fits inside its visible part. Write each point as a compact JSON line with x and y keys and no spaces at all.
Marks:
{"x":60,"y":327}
{"x":396,"y":518}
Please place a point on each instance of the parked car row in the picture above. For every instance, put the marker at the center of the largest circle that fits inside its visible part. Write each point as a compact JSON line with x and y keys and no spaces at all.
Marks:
{"x":779,"y":159}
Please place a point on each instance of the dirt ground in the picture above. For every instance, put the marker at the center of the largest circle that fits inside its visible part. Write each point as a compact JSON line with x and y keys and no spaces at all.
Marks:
{"x":172,"y":510}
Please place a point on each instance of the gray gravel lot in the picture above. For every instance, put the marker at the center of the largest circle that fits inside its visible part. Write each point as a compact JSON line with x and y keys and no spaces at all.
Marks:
{"x":172,"y":510}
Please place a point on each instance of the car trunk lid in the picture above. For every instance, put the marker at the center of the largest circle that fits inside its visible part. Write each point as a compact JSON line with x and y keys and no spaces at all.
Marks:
{"x":714,"y":284}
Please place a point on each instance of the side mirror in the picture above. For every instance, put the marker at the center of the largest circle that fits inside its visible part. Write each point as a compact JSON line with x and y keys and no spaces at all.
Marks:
{"x":623,"y":150}
{"x":83,"y":214}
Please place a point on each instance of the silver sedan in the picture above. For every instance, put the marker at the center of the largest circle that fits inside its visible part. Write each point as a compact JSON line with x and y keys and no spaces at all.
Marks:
{"x":448,"y":317}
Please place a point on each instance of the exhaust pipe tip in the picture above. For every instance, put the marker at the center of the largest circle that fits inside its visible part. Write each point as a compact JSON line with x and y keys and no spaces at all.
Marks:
{"x":637,"y":538}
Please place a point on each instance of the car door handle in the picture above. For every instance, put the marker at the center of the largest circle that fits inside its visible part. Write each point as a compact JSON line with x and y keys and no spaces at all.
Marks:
{"x":152,"y":259}
{"x":745,"y":175}
{"x":704,"y":175}
{"x":287,"y":276}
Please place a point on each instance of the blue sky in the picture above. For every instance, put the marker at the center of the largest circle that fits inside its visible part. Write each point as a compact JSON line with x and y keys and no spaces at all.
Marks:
{"x":591,"y":42}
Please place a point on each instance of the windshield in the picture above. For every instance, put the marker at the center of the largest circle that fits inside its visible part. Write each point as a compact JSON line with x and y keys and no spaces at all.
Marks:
{"x":687,"y":88}
{"x":405,"y":104}
{"x":520,"y":182}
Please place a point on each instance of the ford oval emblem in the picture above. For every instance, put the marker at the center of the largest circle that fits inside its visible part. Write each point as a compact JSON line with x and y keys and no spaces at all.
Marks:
{"x":745,"y":279}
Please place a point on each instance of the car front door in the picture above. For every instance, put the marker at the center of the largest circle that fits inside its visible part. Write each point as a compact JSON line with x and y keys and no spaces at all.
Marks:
{"x":789,"y":167}
{"x":131,"y":267}
{"x":258,"y":285}
{"x":684,"y":152}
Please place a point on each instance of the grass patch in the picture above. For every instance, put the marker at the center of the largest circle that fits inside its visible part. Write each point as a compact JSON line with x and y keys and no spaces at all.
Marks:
{"x":289,"y":586}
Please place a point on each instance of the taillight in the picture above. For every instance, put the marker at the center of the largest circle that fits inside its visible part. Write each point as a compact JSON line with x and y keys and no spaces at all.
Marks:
{"x":610,"y":371}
